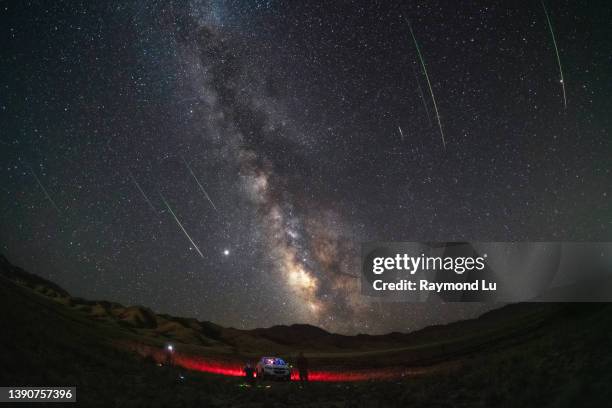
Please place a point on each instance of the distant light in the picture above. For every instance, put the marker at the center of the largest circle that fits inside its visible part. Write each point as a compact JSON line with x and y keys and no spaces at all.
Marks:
{"x":226,"y":252}
{"x":170,"y":347}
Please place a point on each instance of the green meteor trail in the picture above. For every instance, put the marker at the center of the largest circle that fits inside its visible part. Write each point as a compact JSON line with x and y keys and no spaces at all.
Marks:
{"x":180,"y":225}
{"x":144,"y":195}
{"x":554,"y":40}
{"x":40,"y":184}
{"x":433,"y":98}
{"x":200,"y":185}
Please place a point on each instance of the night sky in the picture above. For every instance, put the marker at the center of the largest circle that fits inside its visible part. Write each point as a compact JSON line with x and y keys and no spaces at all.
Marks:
{"x":225,"y":159}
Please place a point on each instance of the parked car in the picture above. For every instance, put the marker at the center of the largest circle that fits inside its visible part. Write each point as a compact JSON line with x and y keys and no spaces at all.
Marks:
{"x":273,"y":368}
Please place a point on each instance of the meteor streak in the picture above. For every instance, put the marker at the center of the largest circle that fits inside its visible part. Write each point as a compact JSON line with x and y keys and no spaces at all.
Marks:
{"x":433,"y":98}
{"x":142,"y":191}
{"x":180,"y":225}
{"x":200,"y":185}
{"x":44,"y":189}
{"x":554,"y":40}
{"x":401,"y":133}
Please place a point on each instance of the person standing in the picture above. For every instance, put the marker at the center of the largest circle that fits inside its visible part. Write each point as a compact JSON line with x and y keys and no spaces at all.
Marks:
{"x":302,"y":365}
{"x":248,"y":373}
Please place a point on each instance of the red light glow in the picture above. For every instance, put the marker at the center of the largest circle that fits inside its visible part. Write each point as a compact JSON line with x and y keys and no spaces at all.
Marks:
{"x":209,"y":366}
{"x":236,"y":369}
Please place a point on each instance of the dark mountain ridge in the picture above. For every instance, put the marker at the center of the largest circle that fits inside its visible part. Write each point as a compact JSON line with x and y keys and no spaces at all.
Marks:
{"x":143,"y":320}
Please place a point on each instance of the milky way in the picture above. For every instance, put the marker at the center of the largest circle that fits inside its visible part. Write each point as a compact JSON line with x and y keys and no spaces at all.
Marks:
{"x":304,"y":247}
{"x":225,"y":159}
